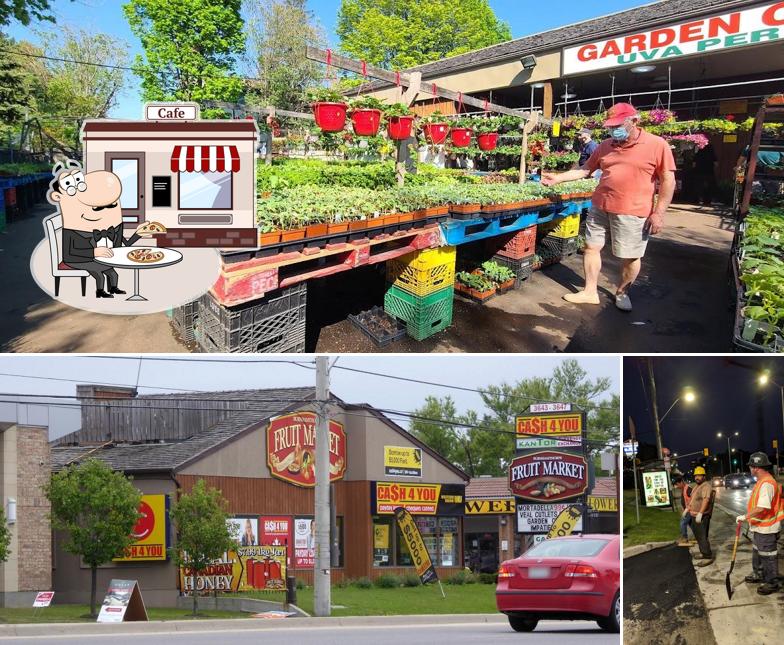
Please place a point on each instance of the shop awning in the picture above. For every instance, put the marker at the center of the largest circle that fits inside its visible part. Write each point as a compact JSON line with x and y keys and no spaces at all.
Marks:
{"x":205,"y":159}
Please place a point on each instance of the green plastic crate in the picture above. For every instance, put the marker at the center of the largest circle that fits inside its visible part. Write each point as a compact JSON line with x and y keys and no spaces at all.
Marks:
{"x":423,"y":315}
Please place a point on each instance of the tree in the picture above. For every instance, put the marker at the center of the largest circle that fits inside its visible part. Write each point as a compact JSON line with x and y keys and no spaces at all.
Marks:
{"x":488,"y":449}
{"x":203,"y":534}
{"x":403,"y":33}
{"x":5,"y":538}
{"x":25,"y":10}
{"x":15,"y":88}
{"x":278,"y":31}
{"x":190,"y":49}
{"x":97,"y":507}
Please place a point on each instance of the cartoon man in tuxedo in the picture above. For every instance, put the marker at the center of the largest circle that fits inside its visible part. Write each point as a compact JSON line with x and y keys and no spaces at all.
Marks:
{"x":92,"y":221}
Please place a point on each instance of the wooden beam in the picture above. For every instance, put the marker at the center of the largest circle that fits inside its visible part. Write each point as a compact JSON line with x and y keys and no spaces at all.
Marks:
{"x":268,"y":110}
{"x":406,"y":80}
{"x":547,"y":101}
{"x":527,"y":129}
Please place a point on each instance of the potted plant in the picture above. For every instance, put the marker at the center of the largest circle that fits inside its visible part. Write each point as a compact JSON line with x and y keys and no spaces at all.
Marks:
{"x":435,"y":128}
{"x":475,"y":286}
{"x":502,"y":276}
{"x":487,"y":134}
{"x":399,"y":121}
{"x":461,"y":134}
{"x":366,"y":115}
{"x":329,"y":109}
{"x":268,"y":235}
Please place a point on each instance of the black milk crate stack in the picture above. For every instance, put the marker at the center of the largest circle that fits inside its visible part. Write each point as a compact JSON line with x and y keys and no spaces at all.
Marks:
{"x":184,"y":319}
{"x":273,"y":324}
{"x":522,"y":268}
{"x":552,"y":249}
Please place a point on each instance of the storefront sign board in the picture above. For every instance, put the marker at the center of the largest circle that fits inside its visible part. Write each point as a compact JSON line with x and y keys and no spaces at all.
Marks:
{"x":539,"y":518}
{"x":656,"y":491}
{"x":246,"y":568}
{"x":402,"y":461}
{"x":548,"y":476}
{"x":123,"y":603}
{"x":418,"y":499}
{"x":291,"y":449}
{"x":489,"y":506}
{"x":550,"y":425}
{"x":150,"y":532}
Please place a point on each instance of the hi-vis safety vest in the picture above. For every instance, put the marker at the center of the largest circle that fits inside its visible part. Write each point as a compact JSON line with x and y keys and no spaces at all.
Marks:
{"x":776,"y":511}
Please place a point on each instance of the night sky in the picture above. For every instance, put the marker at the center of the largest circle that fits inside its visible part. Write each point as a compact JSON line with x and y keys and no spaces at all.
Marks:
{"x":729,"y":398}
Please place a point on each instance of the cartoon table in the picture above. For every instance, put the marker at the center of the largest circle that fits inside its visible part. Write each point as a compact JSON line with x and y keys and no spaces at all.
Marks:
{"x":121,"y":261}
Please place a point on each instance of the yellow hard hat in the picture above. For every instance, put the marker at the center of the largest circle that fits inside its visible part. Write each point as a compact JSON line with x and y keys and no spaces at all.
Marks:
{"x":699,"y":470}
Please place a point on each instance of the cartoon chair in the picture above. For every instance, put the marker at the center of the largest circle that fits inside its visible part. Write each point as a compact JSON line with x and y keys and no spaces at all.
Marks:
{"x":53,"y":226}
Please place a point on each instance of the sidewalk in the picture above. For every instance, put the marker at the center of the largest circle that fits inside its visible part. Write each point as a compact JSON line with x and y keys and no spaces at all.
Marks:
{"x":748,"y":617}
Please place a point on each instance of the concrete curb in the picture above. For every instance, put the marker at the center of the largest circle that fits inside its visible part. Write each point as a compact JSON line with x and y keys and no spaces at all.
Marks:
{"x":240,"y":624}
{"x":637,"y":549}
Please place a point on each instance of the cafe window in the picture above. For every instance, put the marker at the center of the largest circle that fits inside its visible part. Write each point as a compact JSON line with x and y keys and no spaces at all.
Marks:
{"x":441,"y":536}
{"x":205,"y":190}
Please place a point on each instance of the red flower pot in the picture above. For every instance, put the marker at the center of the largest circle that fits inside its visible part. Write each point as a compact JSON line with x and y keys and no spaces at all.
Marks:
{"x":461,"y":137}
{"x":366,"y":122}
{"x":435,"y":133}
{"x":487,"y":141}
{"x":330,"y":117}
{"x":399,"y":127}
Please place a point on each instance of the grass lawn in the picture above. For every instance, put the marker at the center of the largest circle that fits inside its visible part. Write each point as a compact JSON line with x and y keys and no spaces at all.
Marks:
{"x":656,"y":524}
{"x":460,"y":599}
{"x":81,"y":614}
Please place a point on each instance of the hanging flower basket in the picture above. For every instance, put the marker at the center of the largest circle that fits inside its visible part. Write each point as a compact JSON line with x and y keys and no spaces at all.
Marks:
{"x":775,"y":99}
{"x":487,"y":141}
{"x":435,"y":133}
{"x":399,"y":127}
{"x":461,"y":137}
{"x":330,"y":117}
{"x":366,"y":122}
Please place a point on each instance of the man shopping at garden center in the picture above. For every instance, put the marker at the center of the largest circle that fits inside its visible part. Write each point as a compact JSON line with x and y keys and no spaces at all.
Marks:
{"x":700,"y":508}
{"x":623,"y":204}
{"x":764,"y":515}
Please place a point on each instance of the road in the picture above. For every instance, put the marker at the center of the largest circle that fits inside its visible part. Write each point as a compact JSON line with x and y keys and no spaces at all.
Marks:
{"x":470,"y":633}
{"x":734,"y":500}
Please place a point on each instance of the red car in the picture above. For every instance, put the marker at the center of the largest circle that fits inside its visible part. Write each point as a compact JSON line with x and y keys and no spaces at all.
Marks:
{"x":576,"y":577}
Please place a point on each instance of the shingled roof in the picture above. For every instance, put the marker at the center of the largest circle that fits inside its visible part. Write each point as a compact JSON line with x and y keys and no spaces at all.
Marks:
{"x":167,"y":457}
{"x":644,"y":17}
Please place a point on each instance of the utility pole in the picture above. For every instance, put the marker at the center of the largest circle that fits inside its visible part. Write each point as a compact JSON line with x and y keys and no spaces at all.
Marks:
{"x":321,"y":571}
{"x":655,"y":409}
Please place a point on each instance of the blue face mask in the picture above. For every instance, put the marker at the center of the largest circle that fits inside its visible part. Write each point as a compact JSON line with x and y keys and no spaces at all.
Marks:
{"x":619,"y":134}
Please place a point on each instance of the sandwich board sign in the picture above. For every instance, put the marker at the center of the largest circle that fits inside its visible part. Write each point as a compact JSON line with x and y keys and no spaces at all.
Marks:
{"x":123,"y":603}
{"x":43,"y":599}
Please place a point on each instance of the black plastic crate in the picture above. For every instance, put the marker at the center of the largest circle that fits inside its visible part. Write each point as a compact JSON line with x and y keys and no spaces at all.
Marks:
{"x":557,"y":247}
{"x":372,"y":323}
{"x":522,"y":268}
{"x":184,"y":319}
{"x":273,"y":324}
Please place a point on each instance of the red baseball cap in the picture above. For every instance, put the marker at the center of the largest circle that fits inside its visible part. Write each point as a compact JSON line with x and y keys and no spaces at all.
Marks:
{"x":618,"y":113}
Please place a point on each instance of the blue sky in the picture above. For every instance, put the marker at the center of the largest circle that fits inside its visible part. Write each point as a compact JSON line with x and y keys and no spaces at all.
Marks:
{"x":525,"y":17}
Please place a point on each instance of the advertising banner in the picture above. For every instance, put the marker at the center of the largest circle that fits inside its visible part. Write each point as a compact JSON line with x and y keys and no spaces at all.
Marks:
{"x":245,"y":530}
{"x":402,"y":461}
{"x":566,"y":522}
{"x":744,"y":27}
{"x":123,"y":602}
{"x":548,"y":476}
{"x":382,"y":545}
{"x":551,"y":425}
{"x":277,"y":531}
{"x":43,"y":599}
{"x":655,"y":489}
{"x":246,"y":568}
{"x":418,"y":499}
{"x":416,"y":546}
{"x":304,"y":542}
{"x":539,"y":518}
{"x":150,"y":532}
{"x":489,"y":506}
{"x":291,"y":449}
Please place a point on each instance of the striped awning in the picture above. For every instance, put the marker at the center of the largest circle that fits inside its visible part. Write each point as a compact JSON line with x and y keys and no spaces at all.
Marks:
{"x":205,"y":159}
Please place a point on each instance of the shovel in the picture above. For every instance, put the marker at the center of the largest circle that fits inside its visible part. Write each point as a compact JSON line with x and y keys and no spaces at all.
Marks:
{"x":727,"y":582}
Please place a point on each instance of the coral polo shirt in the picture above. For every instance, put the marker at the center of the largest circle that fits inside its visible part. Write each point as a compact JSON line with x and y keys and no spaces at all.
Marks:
{"x":629,"y":173}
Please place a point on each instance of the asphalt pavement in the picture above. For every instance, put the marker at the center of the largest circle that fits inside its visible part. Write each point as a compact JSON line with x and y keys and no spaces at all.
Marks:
{"x":343,"y":632}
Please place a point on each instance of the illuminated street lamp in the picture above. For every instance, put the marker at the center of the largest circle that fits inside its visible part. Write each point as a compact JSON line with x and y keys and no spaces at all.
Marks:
{"x":729,"y":450}
{"x":688,"y":395}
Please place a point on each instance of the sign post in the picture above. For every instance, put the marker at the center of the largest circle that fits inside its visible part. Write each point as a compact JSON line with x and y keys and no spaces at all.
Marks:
{"x":633,"y":432}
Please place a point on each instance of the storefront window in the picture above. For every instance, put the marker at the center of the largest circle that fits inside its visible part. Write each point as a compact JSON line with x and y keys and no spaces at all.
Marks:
{"x":128,"y":172}
{"x":205,"y":190}
{"x":449,"y":541}
{"x":382,"y":541}
{"x":440,"y":535}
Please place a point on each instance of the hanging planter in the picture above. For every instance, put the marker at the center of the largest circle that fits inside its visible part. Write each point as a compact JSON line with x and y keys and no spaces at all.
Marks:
{"x":399,"y":127}
{"x":330,"y":117}
{"x":487,"y":141}
{"x":461,"y":137}
{"x":366,"y":122}
{"x":435,"y":133}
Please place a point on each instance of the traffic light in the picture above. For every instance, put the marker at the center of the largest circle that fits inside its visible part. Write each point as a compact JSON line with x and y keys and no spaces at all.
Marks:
{"x":705,"y":452}
{"x":734,"y":462}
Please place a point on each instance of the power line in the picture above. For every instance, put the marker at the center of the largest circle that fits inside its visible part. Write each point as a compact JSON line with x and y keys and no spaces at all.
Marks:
{"x":83,"y":382}
{"x":196,"y":359}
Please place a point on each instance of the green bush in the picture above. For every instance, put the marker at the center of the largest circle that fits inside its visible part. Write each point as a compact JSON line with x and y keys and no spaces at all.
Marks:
{"x":363,"y":583}
{"x":462,"y":578}
{"x":411,"y":580}
{"x":488,"y":578}
{"x":388,"y":581}
{"x":300,"y":583}
{"x":343,"y":583}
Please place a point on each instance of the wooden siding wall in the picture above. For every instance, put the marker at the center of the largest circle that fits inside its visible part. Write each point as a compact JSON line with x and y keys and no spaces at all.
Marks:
{"x":140,"y":420}
{"x":256,"y":496}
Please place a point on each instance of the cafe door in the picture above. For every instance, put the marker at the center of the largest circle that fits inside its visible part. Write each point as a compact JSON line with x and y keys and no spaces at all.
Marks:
{"x":129,"y":167}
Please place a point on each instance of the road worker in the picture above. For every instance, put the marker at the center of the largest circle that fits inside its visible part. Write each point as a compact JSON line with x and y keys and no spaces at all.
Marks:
{"x":700,"y":511}
{"x":765,"y":512}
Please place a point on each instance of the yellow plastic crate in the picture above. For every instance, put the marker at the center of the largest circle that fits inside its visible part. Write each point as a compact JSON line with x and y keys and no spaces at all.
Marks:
{"x":567,"y":227}
{"x":423,"y":272}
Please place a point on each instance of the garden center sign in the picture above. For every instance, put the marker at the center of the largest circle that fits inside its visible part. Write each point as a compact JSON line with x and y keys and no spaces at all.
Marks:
{"x":754,"y":26}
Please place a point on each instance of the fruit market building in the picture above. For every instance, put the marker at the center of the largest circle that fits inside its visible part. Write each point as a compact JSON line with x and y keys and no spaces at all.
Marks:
{"x":169,"y":442}
{"x":703,"y":59}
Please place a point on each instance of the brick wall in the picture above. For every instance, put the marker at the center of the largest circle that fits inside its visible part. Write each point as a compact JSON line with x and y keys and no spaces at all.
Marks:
{"x":210,"y":237}
{"x":32,"y":510}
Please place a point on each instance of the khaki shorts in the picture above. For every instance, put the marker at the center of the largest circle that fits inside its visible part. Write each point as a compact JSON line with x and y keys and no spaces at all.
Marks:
{"x":628,"y":233}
